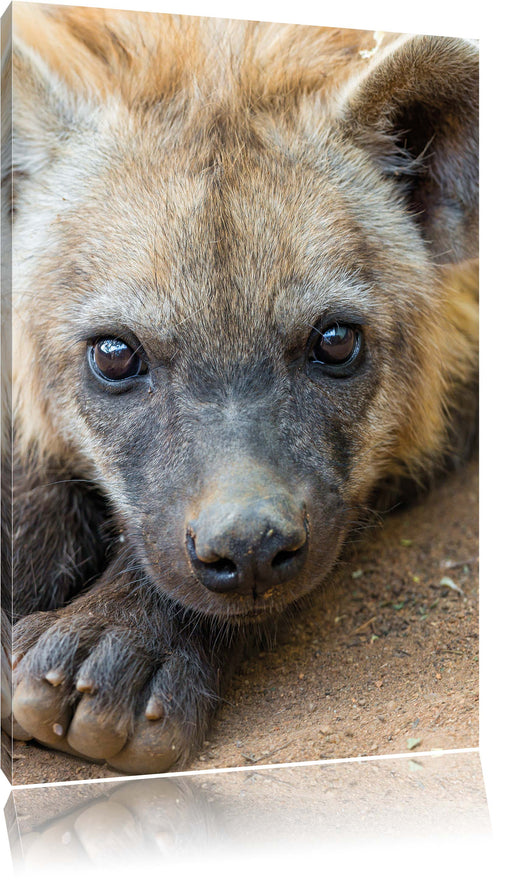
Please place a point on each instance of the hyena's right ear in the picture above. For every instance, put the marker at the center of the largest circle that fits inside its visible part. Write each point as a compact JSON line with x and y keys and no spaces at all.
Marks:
{"x":415,"y":111}
{"x":47,"y":108}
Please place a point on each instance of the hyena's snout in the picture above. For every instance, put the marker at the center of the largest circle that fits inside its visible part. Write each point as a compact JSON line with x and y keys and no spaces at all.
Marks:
{"x":249,"y":534}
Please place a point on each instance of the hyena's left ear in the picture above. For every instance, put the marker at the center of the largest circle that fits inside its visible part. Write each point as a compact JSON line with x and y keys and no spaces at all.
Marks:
{"x":416,"y":112}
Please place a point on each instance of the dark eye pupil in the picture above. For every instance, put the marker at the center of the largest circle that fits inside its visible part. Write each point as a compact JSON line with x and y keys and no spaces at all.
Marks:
{"x":115,"y":360}
{"x":336,"y":345}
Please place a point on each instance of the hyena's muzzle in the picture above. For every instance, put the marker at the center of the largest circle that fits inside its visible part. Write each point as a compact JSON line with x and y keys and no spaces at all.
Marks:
{"x":237,"y":513}
{"x":249,"y":533}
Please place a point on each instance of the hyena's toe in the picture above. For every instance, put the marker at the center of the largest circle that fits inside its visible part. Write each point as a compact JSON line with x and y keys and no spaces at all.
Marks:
{"x":172,"y":718}
{"x":154,"y":747}
{"x":42,"y":679}
{"x":109,"y":683}
{"x":41,"y":712}
{"x":97,"y":731}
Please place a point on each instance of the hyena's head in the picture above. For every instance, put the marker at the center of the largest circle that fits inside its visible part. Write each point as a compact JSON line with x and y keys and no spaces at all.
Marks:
{"x":227,"y":274}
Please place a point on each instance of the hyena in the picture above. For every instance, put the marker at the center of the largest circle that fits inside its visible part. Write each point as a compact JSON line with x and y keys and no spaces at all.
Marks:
{"x":244,"y":312}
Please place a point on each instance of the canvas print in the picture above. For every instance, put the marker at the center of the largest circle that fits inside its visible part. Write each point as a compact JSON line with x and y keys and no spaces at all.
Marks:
{"x":241,"y":263}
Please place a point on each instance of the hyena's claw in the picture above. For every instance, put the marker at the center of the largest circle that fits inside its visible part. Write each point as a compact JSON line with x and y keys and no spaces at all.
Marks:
{"x":55,"y":677}
{"x":154,"y":709}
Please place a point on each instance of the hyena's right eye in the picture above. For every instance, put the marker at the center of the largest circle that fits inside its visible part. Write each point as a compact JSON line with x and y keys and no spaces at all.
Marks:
{"x":113,"y":360}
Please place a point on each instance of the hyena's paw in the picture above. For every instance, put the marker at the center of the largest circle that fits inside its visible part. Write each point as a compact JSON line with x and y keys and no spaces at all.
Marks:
{"x":108,"y":692}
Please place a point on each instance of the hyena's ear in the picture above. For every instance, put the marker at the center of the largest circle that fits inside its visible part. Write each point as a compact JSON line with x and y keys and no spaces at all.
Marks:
{"x":47,"y":111}
{"x":416,"y":112}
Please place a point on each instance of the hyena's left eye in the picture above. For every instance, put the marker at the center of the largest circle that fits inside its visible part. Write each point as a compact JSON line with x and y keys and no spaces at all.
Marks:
{"x":114,"y":360}
{"x":337,"y":347}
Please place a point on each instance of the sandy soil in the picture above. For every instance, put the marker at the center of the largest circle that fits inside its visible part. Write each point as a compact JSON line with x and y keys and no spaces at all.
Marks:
{"x":384,"y":661}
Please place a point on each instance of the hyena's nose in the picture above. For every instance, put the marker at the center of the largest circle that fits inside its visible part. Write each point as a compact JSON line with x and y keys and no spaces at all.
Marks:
{"x":248,"y":544}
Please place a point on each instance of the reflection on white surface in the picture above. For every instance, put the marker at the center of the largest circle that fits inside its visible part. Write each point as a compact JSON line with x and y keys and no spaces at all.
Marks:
{"x":249,"y":812}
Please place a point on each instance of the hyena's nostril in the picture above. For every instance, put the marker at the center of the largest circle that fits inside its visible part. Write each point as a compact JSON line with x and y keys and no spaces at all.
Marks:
{"x":289,"y":559}
{"x":217,"y":573}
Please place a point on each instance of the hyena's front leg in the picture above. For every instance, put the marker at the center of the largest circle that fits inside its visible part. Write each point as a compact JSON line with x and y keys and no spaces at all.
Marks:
{"x":121,"y":675}
{"x":53,"y":542}
{"x":58,"y":536}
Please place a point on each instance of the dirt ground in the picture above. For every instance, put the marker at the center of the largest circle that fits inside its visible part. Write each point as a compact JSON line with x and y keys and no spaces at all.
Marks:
{"x":383,"y":661}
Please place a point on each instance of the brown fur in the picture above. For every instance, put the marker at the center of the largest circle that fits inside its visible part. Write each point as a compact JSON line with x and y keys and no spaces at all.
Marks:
{"x":211,"y":189}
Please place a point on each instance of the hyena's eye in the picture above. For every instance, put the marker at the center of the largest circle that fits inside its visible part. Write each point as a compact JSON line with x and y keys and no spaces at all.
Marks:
{"x":337,"y":347}
{"x":114,"y":360}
